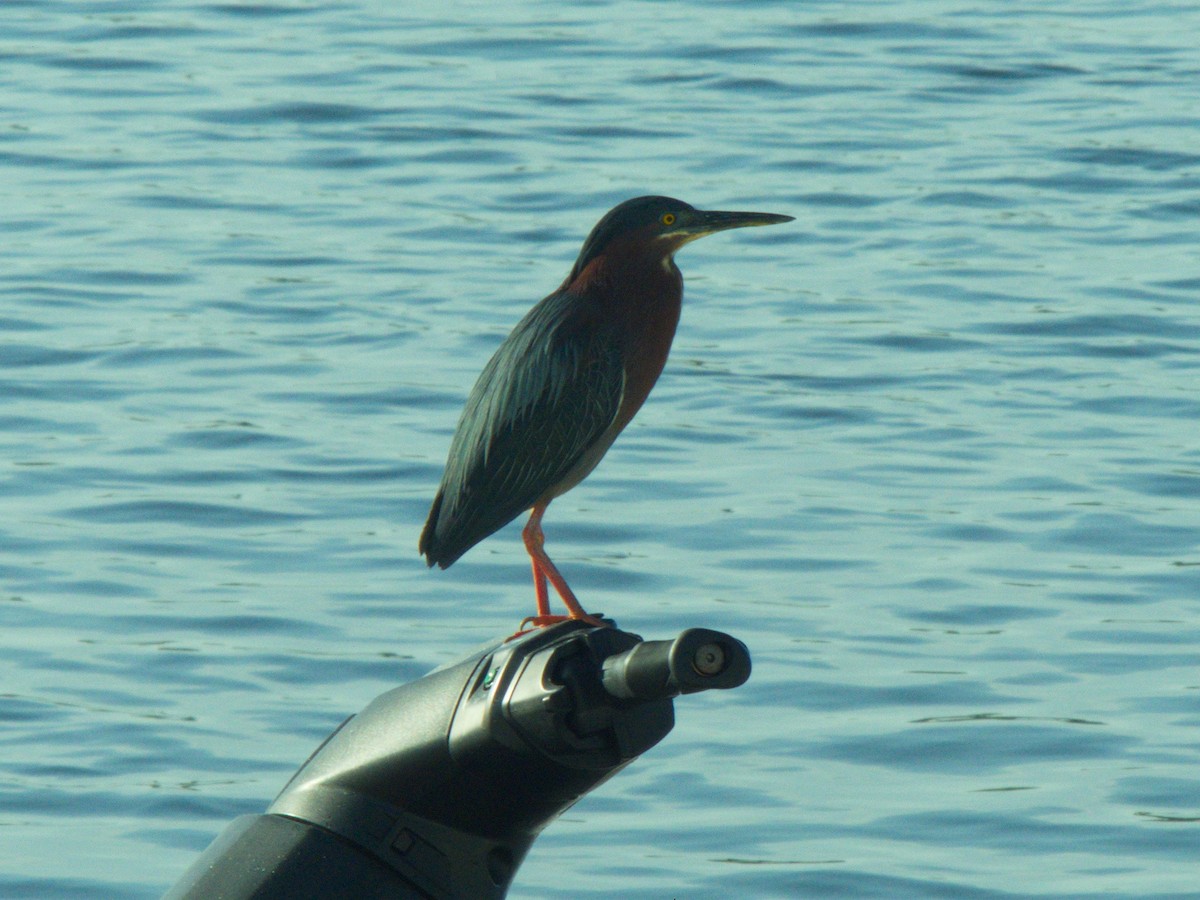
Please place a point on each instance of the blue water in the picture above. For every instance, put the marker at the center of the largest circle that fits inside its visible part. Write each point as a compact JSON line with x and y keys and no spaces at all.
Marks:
{"x":931,"y":450}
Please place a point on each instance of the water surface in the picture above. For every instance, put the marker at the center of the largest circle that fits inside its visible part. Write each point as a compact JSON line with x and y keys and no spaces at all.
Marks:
{"x":930,"y":450}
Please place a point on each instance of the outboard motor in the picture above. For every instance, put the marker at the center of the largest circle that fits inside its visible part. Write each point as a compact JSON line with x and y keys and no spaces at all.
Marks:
{"x":439,"y":787}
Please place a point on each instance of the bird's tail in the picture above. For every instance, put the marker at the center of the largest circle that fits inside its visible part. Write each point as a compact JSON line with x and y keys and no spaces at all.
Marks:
{"x":427,"y":546}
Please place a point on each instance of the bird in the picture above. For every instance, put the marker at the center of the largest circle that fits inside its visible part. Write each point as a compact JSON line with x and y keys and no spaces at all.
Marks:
{"x":565,"y":382}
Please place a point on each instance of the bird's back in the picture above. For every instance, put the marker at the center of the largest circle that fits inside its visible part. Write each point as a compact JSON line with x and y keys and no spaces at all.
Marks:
{"x":545,"y":399}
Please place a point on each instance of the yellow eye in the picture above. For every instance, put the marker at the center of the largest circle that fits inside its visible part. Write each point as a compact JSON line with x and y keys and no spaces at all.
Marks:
{"x":668,"y":218}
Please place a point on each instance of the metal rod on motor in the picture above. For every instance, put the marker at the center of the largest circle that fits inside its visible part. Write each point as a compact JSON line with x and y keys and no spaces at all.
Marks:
{"x":697,"y":660}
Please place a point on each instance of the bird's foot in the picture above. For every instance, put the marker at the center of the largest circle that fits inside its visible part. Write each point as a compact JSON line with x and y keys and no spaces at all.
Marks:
{"x":529,"y":623}
{"x":594,"y":621}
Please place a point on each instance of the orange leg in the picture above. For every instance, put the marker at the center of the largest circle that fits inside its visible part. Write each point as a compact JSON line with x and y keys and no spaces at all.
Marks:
{"x":542,"y":596}
{"x":543,"y":570}
{"x":539,"y":590}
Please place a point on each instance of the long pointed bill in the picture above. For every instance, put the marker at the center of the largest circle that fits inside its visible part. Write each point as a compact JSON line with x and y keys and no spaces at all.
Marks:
{"x":701,"y":222}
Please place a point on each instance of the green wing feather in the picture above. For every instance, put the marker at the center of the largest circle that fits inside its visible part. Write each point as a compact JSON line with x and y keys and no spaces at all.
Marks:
{"x":544,"y":399}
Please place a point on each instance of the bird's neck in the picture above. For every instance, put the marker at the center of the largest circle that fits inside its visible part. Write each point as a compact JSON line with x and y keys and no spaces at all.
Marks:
{"x":639,"y":295}
{"x":631,"y":280}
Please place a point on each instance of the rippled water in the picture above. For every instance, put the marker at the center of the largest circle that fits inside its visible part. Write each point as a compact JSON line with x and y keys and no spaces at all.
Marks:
{"x":931,"y":450}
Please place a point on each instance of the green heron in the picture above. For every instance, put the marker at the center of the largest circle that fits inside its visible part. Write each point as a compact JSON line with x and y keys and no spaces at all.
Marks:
{"x":566,"y":381}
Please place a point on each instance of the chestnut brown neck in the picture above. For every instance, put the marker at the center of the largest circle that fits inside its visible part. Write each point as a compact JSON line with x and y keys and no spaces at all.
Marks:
{"x":644,"y":310}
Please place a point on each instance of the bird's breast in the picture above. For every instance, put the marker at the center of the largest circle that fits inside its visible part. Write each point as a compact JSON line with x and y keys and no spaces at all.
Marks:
{"x":638,"y":296}
{"x":650,"y":308}
{"x":649,"y":345}
{"x":640,"y":311}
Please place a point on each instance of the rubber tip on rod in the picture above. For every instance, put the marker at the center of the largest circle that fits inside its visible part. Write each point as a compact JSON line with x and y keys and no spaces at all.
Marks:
{"x":697,"y":660}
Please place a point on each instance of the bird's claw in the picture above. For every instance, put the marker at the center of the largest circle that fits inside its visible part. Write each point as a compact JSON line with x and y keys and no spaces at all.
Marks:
{"x":529,"y":623}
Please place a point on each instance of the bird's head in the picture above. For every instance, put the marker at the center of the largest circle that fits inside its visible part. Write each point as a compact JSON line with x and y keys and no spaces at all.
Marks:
{"x":658,"y":226}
